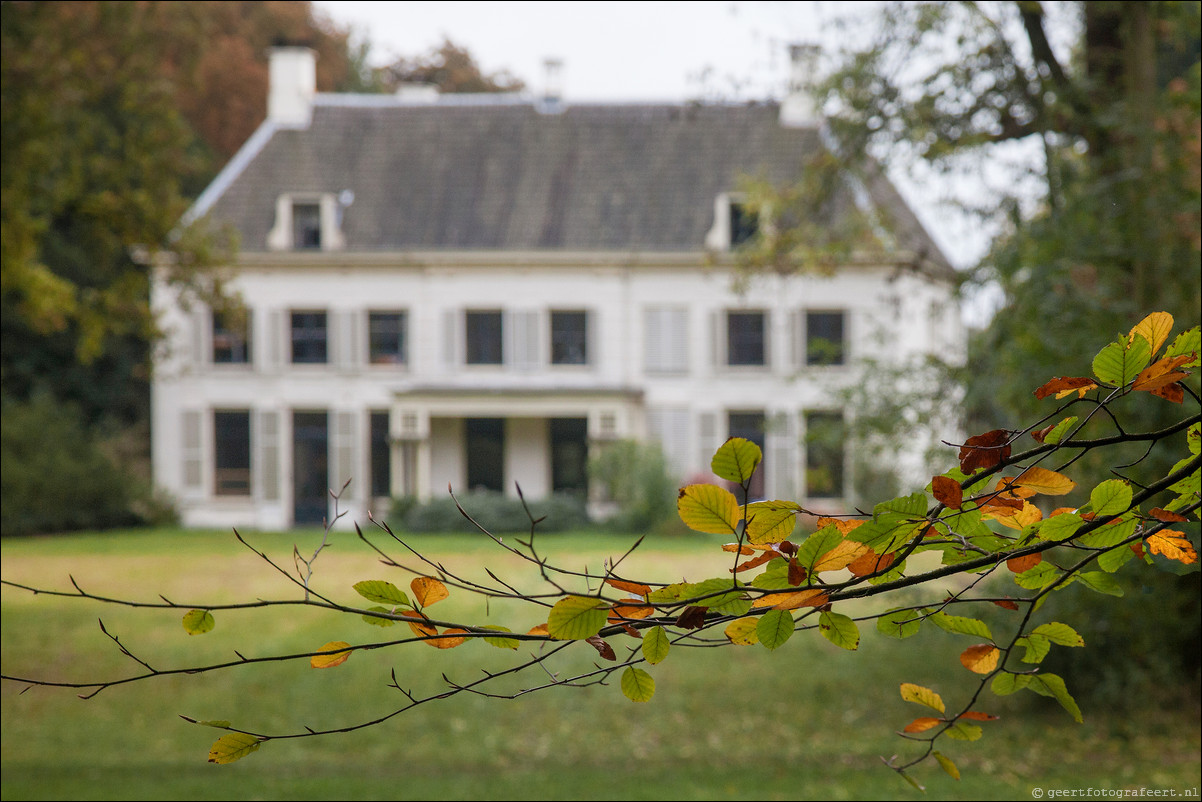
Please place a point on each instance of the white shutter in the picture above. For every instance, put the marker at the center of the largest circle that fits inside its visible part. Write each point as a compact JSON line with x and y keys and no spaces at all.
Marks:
{"x":452,"y":339}
{"x":278,"y":338}
{"x":781,"y":447}
{"x":592,"y":338}
{"x":710,"y":437}
{"x":665,"y":339}
{"x":670,"y":428}
{"x":268,"y":449}
{"x":341,"y":327}
{"x":200,"y":336}
{"x":345,"y":449}
{"x":192,"y":453}
{"x":523,"y":333}
{"x":718,"y":324}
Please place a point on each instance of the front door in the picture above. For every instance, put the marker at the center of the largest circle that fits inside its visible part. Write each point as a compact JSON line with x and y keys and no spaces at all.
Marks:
{"x":310,"y":467}
{"x":485,"y":444}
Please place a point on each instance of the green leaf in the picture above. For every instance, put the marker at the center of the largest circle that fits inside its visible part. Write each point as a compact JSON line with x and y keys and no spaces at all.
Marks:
{"x":1037,"y":647}
{"x":899,"y":623}
{"x":732,"y":599}
{"x":198,"y":622}
{"x":710,"y":509}
{"x":220,"y":724}
{"x":839,"y":630}
{"x":816,"y":545}
{"x":1052,"y":685}
{"x":1060,"y":430}
{"x":1059,"y":527}
{"x":774,"y":577}
{"x":961,"y":625}
{"x":1187,"y":342}
{"x":637,"y":685}
{"x":1111,"y":497}
{"x":655,"y":645}
{"x":1006,"y":683}
{"x":381,"y":592}
{"x":576,"y":618}
{"x":887,"y":533}
{"x":912,"y":506}
{"x":1109,"y":535}
{"x":771,"y":521}
{"x":736,"y":460}
{"x":774,"y":628}
{"x":234,"y":746}
{"x":1102,"y":583}
{"x":1120,"y":362}
{"x":1059,"y":634}
{"x":947,"y":765}
{"x":1116,"y":558}
{"x":376,"y":621}
{"x":500,"y":643}
{"x":1038,"y":577}
{"x":963,"y":731}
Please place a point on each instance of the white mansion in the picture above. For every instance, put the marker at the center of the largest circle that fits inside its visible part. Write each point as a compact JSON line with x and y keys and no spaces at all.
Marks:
{"x":477,"y":291}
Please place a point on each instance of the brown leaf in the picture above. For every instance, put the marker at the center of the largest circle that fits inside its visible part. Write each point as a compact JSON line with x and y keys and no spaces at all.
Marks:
{"x":1025,"y":563}
{"x":870,"y":563}
{"x":692,"y":618}
{"x":1161,"y":514}
{"x":638,"y":588}
{"x":998,"y":504}
{"x":1040,"y":435}
{"x":632,"y":632}
{"x":797,"y":574}
{"x":603,"y":648}
{"x":1006,"y":604}
{"x":1170,"y":392}
{"x":787,"y":547}
{"x":980,"y":659}
{"x":947,"y":491}
{"x":541,"y":629}
{"x":756,"y":562}
{"x":740,"y":548}
{"x":922,"y":724}
{"x":1161,"y":373}
{"x":973,"y":715}
{"x":984,"y":450}
{"x":1066,"y":384}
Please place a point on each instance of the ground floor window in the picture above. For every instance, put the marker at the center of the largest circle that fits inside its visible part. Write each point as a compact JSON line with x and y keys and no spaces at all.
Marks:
{"x":569,"y":454}
{"x":381,"y":458}
{"x":750,"y":426}
{"x":484,"y":439}
{"x":825,"y":469}
{"x":231,"y":452}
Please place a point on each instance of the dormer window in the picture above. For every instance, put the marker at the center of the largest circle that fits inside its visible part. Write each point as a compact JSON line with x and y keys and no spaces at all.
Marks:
{"x":744,"y":223}
{"x":735,"y":222}
{"x":306,"y":226}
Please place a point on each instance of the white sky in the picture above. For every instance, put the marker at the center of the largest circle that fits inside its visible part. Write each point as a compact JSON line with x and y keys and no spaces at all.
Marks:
{"x":615,"y":51}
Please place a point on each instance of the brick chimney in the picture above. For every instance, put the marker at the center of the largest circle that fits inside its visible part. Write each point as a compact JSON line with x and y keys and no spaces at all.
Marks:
{"x":799,"y":108}
{"x":292,"y":86}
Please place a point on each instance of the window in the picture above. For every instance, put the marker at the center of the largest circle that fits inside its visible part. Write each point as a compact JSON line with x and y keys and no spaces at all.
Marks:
{"x":387,"y":342}
{"x":381,"y":456}
{"x":483,"y":330}
{"x":231,"y":337}
{"x":824,"y":338}
{"x":746,"y":343}
{"x":569,"y":338}
{"x":569,"y":454}
{"x":665,"y":340}
{"x":306,"y":226}
{"x":749,"y":426}
{"x":744,"y":224}
{"x":485,"y":442}
{"x":824,"y":455}
{"x":231,"y":452}
{"x":309,"y":338}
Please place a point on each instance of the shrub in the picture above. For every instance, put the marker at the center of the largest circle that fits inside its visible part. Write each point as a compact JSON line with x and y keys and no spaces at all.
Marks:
{"x":495,"y":511}
{"x":635,"y":476}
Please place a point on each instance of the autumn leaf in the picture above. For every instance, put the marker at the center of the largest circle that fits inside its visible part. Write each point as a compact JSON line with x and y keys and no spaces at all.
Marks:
{"x":755,"y":562}
{"x":231,"y":747}
{"x":539,"y":630}
{"x":742,"y":632}
{"x":1064,"y":385}
{"x":947,"y":491}
{"x":630,"y":608}
{"x":1173,"y":545}
{"x":844,"y":525}
{"x":841,"y":556}
{"x":1021,"y":519}
{"x":428,"y":590}
{"x":870,"y":563}
{"x":923,"y":696}
{"x":980,"y":659}
{"x":1028,"y":561}
{"x":198,"y":622}
{"x":1167,"y":516}
{"x":977,"y":716}
{"x":1161,"y":373}
{"x":1044,"y":482}
{"x":1006,"y":604}
{"x":1155,"y":328}
{"x":736,"y":460}
{"x":743,"y":548}
{"x":604,"y":649}
{"x":709,"y":508}
{"x":637,"y":588}
{"x":984,"y":450}
{"x":422,"y":628}
{"x":341,"y":651}
{"x":576,"y":618}
{"x":693,"y":617}
{"x":922,"y":724}
{"x":947,"y":765}
{"x":810,"y":597}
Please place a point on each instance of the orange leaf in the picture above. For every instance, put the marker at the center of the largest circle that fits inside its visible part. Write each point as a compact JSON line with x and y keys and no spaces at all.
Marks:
{"x":428,"y":590}
{"x":423,"y":630}
{"x":1161,"y":514}
{"x":630,"y":608}
{"x":637,"y":588}
{"x":1045,"y":482}
{"x":1040,"y":435}
{"x":1161,"y":372}
{"x":541,"y":629}
{"x":840,"y":556}
{"x":1009,"y":488}
{"x":947,"y":491}
{"x":870,"y":562}
{"x":1006,"y":604}
{"x":448,"y":643}
{"x":1066,"y":384}
{"x":998,"y":505}
{"x":1028,"y":515}
{"x":741,"y":549}
{"x":1019,"y":564}
{"x":755,"y":562}
{"x":810,"y":597}
{"x":1138,"y":548}
{"x":1170,"y":392}
{"x":922,"y":724}
{"x":980,"y":659}
{"x":844,"y":525}
{"x":973,"y":715}
{"x":1174,"y":545}
{"x":331,"y":660}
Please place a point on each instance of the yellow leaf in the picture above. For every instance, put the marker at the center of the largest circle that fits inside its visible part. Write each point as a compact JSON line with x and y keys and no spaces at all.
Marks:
{"x":540,"y":629}
{"x":810,"y":597}
{"x":234,"y":746}
{"x":742,"y":632}
{"x":1020,"y":519}
{"x":771,"y":521}
{"x":1174,"y":545}
{"x":948,"y":766}
{"x":1155,"y":328}
{"x":448,"y":643}
{"x":341,"y":649}
{"x":980,"y":659}
{"x":841,"y":556}
{"x":922,"y":724}
{"x":427,"y":590}
{"x":1045,"y":482}
{"x":844,"y":525}
{"x":709,"y":508}
{"x":923,"y":696}
{"x":198,"y":622}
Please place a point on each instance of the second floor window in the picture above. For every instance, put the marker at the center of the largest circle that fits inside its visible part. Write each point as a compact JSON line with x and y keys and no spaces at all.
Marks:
{"x":483,"y":338}
{"x":569,"y":338}
{"x":746,"y":340}
{"x":825,"y":344}
{"x":310,"y":338}
{"x":231,"y":337}
{"x":386,"y":338}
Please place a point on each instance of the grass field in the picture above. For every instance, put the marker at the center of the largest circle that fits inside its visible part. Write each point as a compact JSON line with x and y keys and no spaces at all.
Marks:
{"x":806,"y":721}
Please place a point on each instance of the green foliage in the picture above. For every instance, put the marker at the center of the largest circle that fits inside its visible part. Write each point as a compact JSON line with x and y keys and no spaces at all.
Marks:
{"x":496,"y":512}
{"x":635,"y":476}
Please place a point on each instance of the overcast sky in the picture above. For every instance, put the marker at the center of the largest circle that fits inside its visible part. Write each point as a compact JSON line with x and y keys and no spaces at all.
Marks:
{"x":615,"y":51}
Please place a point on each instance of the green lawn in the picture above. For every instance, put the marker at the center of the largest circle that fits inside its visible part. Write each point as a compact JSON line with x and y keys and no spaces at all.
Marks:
{"x":806,"y":721}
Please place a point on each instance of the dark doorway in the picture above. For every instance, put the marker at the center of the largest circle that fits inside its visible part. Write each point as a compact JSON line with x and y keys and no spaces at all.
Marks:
{"x":310,"y":467}
{"x":569,"y":454}
{"x":750,"y":426}
{"x":484,"y":439}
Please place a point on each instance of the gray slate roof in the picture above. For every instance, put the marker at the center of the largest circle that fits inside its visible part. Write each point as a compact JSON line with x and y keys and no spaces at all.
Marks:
{"x":481,"y":176}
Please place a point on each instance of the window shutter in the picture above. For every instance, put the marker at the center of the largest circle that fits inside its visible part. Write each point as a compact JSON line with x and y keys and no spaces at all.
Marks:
{"x":710,"y":437}
{"x":523,"y":334}
{"x":200,"y":320}
{"x":781,"y":443}
{"x":268,"y":441}
{"x":192,"y":453}
{"x":452,"y":339}
{"x":665,"y":340}
{"x":278,"y":339}
{"x":718,"y":335}
{"x":670,"y":428}
{"x":344,"y":454}
{"x":592,"y":339}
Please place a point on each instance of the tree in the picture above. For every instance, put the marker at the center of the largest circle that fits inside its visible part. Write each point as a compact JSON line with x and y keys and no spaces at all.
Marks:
{"x":450,"y":68}
{"x":988,"y":519}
